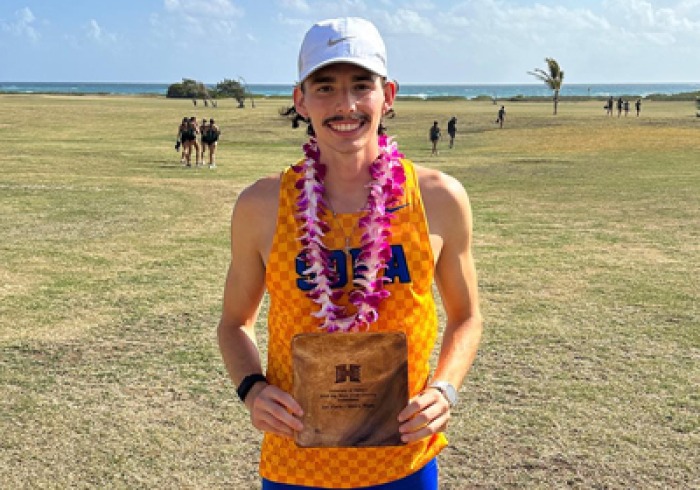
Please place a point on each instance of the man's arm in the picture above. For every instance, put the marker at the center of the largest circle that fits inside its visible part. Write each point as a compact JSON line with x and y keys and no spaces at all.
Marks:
{"x":449,"y":215}
{"x":252,"y":226}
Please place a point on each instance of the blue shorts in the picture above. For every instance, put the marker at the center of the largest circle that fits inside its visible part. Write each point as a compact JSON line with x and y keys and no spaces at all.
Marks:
{"x":424,"y":479}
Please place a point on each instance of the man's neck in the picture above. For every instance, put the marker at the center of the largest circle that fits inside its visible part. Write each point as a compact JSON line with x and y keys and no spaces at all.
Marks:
{"x":347,"y":176}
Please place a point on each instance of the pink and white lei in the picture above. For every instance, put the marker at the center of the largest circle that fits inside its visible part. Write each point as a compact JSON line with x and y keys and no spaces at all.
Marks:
{"x":385,"y":191}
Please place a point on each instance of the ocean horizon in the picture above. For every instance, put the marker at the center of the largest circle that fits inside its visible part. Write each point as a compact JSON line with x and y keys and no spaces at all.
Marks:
{"x":423,"y":91}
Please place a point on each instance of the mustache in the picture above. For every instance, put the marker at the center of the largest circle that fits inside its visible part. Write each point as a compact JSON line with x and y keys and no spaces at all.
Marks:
{"x":353,"y":117}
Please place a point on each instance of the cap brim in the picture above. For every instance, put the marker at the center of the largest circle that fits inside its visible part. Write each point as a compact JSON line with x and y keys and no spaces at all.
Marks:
{"x":377,"y":68}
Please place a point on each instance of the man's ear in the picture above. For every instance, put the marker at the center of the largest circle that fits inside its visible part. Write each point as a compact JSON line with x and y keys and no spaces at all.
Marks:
{"x":389,"y":95}
{"x":298,"y":95}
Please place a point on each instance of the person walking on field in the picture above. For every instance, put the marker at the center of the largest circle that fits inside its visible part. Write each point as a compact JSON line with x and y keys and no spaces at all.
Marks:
{"x":202,"y":142}
{"x":188,"y":135}
{"x":210,"y":140}
{"x":350,"y":239}
{"x":180,"y":143}
{"x":501,"y":117}
{"x":193,"y":132}
{"x":434,"y":137}
{"x":638,"y":106}
{"x":452,"y":130}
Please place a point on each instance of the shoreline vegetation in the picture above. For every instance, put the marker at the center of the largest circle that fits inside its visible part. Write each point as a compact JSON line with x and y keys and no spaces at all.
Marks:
{"x":683,"y":95}
{"x":679,"y":97}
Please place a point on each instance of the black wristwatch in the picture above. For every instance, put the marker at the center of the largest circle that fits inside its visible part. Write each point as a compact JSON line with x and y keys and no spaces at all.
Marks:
{"x":247,"y":383}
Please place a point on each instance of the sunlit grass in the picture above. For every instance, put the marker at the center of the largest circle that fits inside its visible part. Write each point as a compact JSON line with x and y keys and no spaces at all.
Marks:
{"x":113,"y":257}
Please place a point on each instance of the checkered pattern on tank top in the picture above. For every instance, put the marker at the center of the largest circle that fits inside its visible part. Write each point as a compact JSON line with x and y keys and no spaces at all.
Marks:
{"x":410,"y":309}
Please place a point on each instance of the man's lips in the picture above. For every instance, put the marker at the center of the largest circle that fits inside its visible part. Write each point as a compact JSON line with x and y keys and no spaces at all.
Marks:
{"x":345,"y":123}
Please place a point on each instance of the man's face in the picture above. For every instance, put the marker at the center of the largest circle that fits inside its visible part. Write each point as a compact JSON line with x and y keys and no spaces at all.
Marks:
{"x":345,"y":104}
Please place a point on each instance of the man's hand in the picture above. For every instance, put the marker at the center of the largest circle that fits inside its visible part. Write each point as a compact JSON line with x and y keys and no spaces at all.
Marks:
{"x":426,"y":414}
{"x":273,"y":410}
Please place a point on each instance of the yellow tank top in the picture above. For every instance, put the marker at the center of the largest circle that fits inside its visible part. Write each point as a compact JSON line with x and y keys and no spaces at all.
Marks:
{"x":410,"y":309}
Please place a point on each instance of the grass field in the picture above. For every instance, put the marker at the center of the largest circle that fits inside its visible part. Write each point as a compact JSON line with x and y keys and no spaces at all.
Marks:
{"x":112,"y":261}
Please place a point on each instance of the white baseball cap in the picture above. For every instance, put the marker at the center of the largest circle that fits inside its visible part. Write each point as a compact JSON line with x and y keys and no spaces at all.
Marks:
{"x":346,"y":40}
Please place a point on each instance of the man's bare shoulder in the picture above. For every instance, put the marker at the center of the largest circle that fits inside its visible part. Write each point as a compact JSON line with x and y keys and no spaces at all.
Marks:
{"x":446,"y":204}
{"x":439,"y":188}
{"x":263,"y":192}
{"x":258,"y":202}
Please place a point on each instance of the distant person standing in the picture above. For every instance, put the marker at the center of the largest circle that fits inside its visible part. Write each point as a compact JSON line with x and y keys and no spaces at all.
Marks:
{"x":620,"y":103}
{"x":609,"y":106}
{"x":501,"y":116}
{"x":638,"y":106}
{"x":434,"y":137}
{"x":452,"y":130}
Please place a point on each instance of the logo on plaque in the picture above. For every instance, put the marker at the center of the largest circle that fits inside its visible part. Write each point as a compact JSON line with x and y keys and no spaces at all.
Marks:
{"x":347,"y":372}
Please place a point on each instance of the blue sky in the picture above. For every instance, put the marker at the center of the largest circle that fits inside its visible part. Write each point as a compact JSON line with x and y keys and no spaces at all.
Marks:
{"x":428,"y":41}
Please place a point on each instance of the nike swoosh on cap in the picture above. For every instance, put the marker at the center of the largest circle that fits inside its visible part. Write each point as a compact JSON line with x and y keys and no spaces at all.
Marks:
{"x":396,"y":208}
{"x":333,"y":42}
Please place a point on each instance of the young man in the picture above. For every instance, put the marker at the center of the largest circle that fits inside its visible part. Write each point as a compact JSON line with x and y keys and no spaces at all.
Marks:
{"x":303,"y":235}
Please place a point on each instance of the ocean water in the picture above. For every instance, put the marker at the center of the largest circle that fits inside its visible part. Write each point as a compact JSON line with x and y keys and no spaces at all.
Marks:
{"x":424,"y":91}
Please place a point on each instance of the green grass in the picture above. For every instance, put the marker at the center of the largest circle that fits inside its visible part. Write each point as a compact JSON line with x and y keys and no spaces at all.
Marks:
{"x":113,"y":257}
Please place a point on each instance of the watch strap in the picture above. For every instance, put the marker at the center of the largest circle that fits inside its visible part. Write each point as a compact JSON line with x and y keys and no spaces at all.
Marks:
{"x":247,"y":383}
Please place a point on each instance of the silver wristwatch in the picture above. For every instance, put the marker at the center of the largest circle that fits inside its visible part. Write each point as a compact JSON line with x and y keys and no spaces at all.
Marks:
{"x":447,"y":390}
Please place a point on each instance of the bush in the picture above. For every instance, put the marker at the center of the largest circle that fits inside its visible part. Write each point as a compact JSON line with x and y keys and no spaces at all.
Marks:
{"x":230,"y":88}
{"x":187,"y":89}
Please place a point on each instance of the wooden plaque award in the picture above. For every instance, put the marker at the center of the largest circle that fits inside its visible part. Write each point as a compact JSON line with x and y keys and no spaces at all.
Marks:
{"x":351,"y":386}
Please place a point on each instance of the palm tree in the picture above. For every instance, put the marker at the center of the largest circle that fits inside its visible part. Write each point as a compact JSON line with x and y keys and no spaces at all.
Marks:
{"x":553,"y":78}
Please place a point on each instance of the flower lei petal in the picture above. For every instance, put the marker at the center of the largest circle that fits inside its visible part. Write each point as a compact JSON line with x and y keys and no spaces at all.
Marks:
{"x":385,"y":191}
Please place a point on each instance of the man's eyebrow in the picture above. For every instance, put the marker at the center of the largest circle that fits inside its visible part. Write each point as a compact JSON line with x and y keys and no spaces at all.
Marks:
{"x":321,"y":78}
{"x":329,"y":78}
{"x":368,"y":77}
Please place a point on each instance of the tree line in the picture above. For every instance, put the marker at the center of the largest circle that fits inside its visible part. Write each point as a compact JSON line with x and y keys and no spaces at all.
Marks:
{"x":192,"y":89}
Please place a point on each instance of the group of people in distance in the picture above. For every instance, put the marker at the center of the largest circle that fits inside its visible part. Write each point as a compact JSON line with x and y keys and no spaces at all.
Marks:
{"x":435,"y":134}
{"x":201,"y":137}
{"x":622,"y":105}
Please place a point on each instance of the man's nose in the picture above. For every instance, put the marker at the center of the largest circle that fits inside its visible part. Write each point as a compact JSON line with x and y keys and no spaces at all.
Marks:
{"x":346,"y":102}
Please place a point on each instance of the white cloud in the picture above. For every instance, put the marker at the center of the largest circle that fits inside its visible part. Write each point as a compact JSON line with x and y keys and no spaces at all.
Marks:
{"x":410,"y":22}
{"x":93,"y":30}
{"x":419,"y":5}
{"x":641,"y":15}
{"x":292,"y":21}
{"x":297,"y":5}
{"x":339,"y":8}
{"x":23,"y":25}
{"x":96,"y":33}
{"x":186,"y":19}
{"x":210,"y":9}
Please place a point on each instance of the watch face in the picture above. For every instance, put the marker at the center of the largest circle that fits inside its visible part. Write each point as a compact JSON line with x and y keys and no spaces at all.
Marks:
{"x":451,"y":394}
{"x":448,"y":390}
